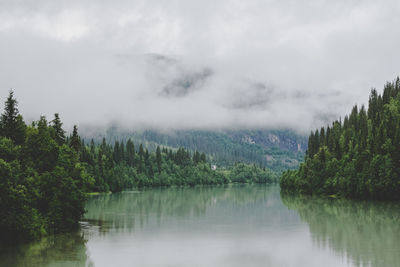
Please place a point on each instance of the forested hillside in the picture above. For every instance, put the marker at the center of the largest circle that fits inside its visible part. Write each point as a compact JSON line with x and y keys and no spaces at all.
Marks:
{"x":358,"y":157}
{"x":278,"y":150}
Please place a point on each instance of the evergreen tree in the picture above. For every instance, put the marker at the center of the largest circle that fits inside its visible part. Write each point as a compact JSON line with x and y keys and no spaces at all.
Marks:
{"x":92,"y":148}
{"x":203,"y":157}
{"x":11,"y":123}
{"x":141,"y":161}
{"x":130,"y":153}
{"x":196,"y":157}
{"x":75,"y":141}
{"x":158,"y":159}
{"x":59,"y":133}
{"x":116,"y":153}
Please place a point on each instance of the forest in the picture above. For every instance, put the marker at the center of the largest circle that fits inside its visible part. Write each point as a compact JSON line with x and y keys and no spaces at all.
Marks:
{"x":277,"y":150}
{"x":358,"y":157}
{"x":46,"y":175}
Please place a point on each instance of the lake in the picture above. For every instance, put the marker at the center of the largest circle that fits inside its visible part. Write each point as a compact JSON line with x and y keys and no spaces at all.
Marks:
{"x":247,"y":225}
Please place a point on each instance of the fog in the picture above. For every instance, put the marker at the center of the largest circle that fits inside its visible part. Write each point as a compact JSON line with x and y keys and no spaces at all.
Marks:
{"x":196,"y":64}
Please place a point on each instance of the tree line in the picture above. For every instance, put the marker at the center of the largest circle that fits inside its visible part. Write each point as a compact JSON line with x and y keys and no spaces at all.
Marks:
{"x":122,"y":166}
{"x":45,"y":175}
{"x":225,"y":148}
{"x":356,"y":158}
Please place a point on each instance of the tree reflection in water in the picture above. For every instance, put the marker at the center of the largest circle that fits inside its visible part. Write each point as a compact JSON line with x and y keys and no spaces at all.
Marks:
{"x":127,"y":210}
{"x":60,"y":250}
{"x":368,"y":233}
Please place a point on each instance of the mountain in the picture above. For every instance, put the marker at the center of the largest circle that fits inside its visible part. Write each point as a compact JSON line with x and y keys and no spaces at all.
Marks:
{"x":276,"y":149}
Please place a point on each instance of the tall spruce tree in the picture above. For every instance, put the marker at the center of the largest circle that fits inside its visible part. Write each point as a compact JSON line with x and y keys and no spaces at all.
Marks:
{"x":158,"y":159}
{"x":130,"y":153}
{"x":11,"y":123}
{"x":75,"y":142}
{"x":59,"y":133}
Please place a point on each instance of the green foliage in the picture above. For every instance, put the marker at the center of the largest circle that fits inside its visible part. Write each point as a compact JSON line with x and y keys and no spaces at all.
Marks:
{"x":277,"y":150}
{"x":58,"y":134}
{"x":43,"y":185}
{"x":117,"y":170}
{"x":11,"y":123}
{"x":356,"y":158}
{"x":245,"y":173}
{"x":120,"y":167}
{"x":75,"y":140}
{"x":18,"y":219}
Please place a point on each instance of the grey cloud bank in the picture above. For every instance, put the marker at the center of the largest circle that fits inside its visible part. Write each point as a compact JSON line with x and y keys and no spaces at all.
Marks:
{"x":197,"y":64}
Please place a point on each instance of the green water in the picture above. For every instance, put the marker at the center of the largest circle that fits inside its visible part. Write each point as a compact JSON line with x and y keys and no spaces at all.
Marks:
{"x":221,"y":226}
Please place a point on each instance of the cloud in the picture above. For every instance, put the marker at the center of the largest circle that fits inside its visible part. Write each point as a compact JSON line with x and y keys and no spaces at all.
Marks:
{"x":186,"y":83}
{"x":196,"y":64}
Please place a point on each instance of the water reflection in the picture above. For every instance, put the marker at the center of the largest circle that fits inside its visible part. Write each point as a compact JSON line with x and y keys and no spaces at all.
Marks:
{"x":203,"y":226}
{"x":61,"y":250}
{"x":221,"y":226}
{"x":368,"y":233}
{"x":155,"y":207}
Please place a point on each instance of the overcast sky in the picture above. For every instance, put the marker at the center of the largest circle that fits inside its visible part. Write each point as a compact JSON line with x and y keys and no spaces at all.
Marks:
{"x":196,"y":64}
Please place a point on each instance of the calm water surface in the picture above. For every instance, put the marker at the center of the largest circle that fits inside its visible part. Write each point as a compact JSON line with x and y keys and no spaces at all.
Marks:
{"x":221,"y":226}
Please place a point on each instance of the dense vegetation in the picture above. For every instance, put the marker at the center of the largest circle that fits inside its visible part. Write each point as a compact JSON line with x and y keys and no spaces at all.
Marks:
{"x":277,"y":150}
{"x":45,"y":176}
{"x":356,"y":158}
{"x":245,"y":173}
{"x":42,"y":181}
{"x":120,"y":167}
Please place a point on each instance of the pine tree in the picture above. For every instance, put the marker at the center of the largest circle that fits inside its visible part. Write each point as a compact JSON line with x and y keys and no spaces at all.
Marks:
{"x":322,"y":138}
{"x":147,"y":158}
{"x":59,"y":133}
{"x":158,"y":159}
{"x":75,"y":142}
{"x":92,"y":148}
{"x":11,"y":123}
{"x":311,"y":145}
{"x":141,"y":156}
{"x":116,"y":153}
{"x":203,"y":158}
{"x":122,"y":152}
{"x":141,"y":151}
{"x":196,"y":157}
{"x":130,"y":153}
